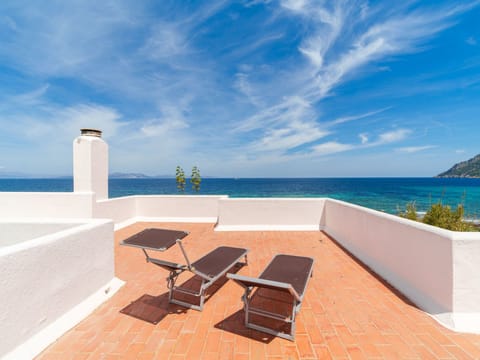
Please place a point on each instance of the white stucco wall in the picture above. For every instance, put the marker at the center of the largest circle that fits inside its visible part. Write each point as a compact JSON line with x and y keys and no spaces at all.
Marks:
{"x":178,"y":208}
{"x":270,"y":214}
{"x":435,"y":268}
{"x":44,"y":278}
{"x":46,"y":205}
{"x":438,"y":270}
{"x":15,"y":232}
{"x":466,"y":290}
{"x":123,"y":211}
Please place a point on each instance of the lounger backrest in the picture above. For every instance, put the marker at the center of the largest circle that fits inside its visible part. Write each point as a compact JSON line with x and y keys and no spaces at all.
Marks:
{"x":155,"y":239}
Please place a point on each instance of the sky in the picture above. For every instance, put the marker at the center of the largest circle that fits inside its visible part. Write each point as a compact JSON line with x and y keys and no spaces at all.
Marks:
{"x":246,"y":88}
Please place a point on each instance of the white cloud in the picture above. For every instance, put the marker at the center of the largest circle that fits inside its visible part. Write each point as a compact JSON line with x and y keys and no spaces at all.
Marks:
{"x":283,"y":139}
{"x":295,"y":5}
{"x":339,"y":43}
{"x":163,"y":72}
{"x":243,"y":85}
{"x":165,"y":41}
{"x":331,"y":147}
{"x":471,"y":41}
{"x":363,"y":138}
{"x":294,"y":108}
{"x":392,"y":136}
{"x":172,"y":120}
{"x":283,"y":127}
{"x":9,"y":23}
{"x":64,"y":124}
{"x":415,"y":149}
{"x":350,"y":41}
{"x":250,"y":3}
{"x":345,"y":119}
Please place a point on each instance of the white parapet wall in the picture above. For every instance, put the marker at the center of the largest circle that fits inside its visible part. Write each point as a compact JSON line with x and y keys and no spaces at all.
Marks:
{"x":435,"y":268}
{"x":123,"y":210}
{"x":178,"y":208}
{"x":53,"y":275}
{"x":46,"y":205}
{"x":250,"y":214}
{"x":159,"y":208}
{"x":466,"y":282}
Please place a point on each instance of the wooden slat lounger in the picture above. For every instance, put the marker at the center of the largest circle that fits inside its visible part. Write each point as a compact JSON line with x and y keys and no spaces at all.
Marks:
{"x":285,"y":274}
{"x":209,"y":268}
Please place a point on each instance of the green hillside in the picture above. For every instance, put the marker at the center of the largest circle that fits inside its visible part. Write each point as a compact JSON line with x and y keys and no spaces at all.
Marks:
{"x":469,"y":168}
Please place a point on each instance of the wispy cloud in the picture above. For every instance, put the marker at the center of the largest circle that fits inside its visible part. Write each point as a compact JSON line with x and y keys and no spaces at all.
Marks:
{"x":340,"y":43}
{"x":392,"y":136}
{"x":345,"y":119}
{"x":363,"y":138}
{"x":471,"y":41}
{"x":331,"y":147}
{"x":257,"y":81}
{"x":415,"y":149}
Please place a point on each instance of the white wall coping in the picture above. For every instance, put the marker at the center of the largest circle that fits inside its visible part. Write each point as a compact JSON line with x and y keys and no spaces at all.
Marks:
{"x":267,"y":228}
{"x":416,"y":224}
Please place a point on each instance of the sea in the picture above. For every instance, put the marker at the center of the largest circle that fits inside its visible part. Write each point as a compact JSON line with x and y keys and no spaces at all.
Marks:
{"x":389,"y":195}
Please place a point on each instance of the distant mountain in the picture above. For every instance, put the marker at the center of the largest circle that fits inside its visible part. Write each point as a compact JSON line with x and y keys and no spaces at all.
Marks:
{"x":14,"y":175}
{"x":469,"y":168}
{"x":119,"y":175}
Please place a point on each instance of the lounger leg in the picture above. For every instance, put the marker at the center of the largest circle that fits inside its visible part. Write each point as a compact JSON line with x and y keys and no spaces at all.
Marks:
{"x":293,"y":324}
{"x":202,"y":295}
{"x":172,"y":278}
{"x":245,"y":299}
{"x":289,"y":335}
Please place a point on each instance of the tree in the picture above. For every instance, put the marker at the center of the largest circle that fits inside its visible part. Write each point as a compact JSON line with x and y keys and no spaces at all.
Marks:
{"x":180,"y":178}
{"x":196,"y":179}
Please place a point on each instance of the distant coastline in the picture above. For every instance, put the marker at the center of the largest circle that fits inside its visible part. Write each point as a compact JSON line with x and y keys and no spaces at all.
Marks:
{"x":464,"y":169}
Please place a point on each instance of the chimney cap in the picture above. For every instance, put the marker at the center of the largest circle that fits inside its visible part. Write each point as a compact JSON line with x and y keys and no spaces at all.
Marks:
{"x":91,"y":132}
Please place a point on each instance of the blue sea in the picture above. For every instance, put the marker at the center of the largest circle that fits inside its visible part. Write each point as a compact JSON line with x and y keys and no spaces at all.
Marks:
{"x":384,"y":194}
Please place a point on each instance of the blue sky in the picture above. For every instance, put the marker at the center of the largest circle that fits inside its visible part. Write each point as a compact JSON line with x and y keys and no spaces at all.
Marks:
{"x":242,"y":88}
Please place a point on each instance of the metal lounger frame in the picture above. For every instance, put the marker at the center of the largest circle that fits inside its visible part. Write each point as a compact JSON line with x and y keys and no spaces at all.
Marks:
{"x":250,"y":283}
{"x":177,"y":269}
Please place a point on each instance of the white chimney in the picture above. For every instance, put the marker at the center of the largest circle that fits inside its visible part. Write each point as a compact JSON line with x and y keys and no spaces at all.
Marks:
{"x":90,"y":163}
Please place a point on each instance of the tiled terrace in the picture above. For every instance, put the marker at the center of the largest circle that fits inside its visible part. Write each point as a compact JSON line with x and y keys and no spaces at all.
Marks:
{"x":348,"y":312}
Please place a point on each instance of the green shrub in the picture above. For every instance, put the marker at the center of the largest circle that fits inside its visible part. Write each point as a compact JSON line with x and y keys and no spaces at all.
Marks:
{"x":441,"y":216}
{"x":410,"y":212}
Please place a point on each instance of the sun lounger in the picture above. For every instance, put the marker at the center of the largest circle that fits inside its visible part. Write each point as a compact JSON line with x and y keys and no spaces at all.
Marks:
{"x":209,"y":268}
{"x":285,"y":275}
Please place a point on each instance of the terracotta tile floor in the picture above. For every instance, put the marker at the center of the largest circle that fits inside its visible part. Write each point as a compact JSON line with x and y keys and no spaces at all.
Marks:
{"x":348,"y":312}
